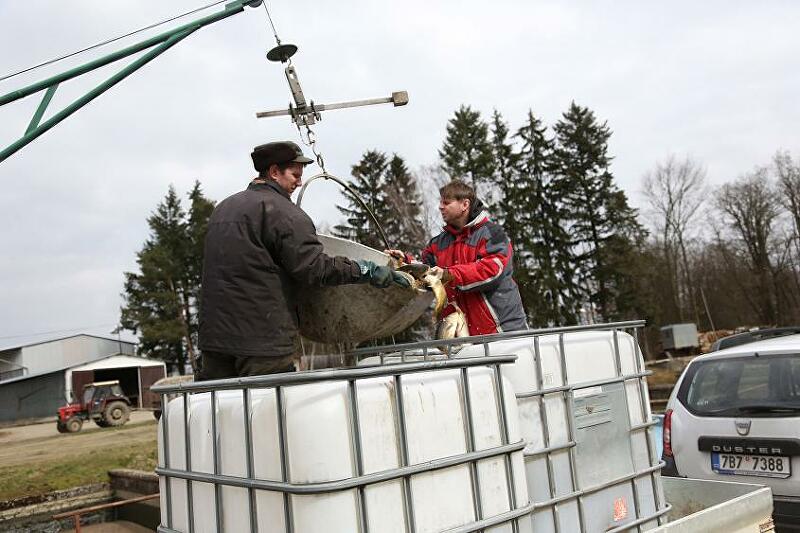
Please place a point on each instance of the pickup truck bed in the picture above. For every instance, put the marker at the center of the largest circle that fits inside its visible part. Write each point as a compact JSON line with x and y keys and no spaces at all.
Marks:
{"x":716,"y":506}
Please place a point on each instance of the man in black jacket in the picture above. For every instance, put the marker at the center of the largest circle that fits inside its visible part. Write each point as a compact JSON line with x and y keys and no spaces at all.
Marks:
{"x":260,"y":250}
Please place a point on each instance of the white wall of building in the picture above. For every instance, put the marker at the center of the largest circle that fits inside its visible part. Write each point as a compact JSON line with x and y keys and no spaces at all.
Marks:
{"x":52,"y":355}
{"x":117,"y":361}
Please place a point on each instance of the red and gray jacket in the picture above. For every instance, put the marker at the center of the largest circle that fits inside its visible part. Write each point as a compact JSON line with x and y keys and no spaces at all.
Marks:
{"x":479,"y":258}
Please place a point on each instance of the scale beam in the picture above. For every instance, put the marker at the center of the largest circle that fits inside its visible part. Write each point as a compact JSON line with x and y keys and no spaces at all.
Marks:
{"x":399,"y":98}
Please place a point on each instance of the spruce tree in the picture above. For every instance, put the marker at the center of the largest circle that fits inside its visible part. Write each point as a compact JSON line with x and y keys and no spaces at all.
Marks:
{"x":160,"y":301}
{"x":505,"y":178}
{"x":200,"y":210}
{"x":404,"y":225}
{"x":506,"y":203}
{"x":368,"y":181}
{"x":467,"y":151}
{"x":603,"y":226}
{"x":549,"y":288}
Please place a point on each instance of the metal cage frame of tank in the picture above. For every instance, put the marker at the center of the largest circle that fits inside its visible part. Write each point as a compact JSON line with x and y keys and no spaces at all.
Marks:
{"x":431,"y":353}
{"x":360,"y":481}
{"x":448,"y":346}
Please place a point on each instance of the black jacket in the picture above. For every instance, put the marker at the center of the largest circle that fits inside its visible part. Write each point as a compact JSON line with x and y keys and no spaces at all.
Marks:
{"x":260,"y":249}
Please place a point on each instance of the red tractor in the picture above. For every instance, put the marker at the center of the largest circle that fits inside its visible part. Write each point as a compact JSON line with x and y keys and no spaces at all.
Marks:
{"x":103,"y":401}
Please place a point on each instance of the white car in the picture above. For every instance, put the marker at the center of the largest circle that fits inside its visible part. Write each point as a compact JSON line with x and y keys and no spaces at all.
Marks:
{"x":734,"y":415}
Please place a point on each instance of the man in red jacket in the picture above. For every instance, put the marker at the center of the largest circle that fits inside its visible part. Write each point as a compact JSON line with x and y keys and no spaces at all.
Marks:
{"x":473,"y":257}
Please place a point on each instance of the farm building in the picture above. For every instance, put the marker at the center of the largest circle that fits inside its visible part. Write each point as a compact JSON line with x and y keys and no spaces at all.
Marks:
{"x":38,"y":378}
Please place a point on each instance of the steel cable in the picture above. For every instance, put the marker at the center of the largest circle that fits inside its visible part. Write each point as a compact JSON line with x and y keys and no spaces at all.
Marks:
{"x":103,"y":43}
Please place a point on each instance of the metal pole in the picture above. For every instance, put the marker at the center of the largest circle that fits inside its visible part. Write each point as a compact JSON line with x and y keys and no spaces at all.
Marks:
{"x":570,"y":412}
{"x":37,"y":116}
{"x":399,"y":98}
{"x":403,"y":441}
{"x":165,"y":436}
{"x":355,"y":442}
{"x":645,"y":407}
{"x":188,"y":458}
{"x":248,"y":438}
{"x":94,"y":93}
{"x":469,"y":434}
{"x":708,"y":313}
{"x":284,"y":449}
{"x":215,"y":458}
{"x":166,"y":40}
{"x":551,"y":482}
{"x":232,"y":8}
{"x":505,"y":438}
{"x":620,"y":374}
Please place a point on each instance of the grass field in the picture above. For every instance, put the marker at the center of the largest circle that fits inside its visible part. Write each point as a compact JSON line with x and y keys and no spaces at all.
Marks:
{"x":40,"y":465}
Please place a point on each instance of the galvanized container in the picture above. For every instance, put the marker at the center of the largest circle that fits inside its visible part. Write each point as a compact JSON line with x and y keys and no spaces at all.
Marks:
{"x":351,"y":314}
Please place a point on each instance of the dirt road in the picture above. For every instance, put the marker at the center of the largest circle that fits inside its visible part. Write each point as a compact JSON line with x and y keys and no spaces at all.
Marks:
{"x":42,"y":442}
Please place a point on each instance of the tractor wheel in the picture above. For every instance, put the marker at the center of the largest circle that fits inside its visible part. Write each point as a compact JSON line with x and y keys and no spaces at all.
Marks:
{"x":73,"y":424}
{"x":61,"y":427}
{"x":116,"y":413}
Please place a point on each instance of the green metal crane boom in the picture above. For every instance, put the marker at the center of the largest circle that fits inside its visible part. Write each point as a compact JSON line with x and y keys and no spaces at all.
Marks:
{"x":158,"y":45}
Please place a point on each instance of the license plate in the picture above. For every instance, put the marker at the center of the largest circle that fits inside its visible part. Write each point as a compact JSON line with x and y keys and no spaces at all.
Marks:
{"x":751,"y":465}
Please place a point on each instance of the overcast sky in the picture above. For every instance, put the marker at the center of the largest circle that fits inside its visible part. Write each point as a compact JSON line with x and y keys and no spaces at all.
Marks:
{"x":715,"y":80}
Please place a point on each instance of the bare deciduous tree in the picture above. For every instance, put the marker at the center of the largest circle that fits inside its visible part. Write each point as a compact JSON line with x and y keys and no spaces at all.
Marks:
{"x":788,"y":176}
{"x":751,"y":207}
{"x":675,"y":191}
{"x":430,"y":178}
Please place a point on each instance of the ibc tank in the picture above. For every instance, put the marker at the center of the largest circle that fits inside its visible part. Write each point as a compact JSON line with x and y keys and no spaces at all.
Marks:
{"x":590,"y":458}
{"x":425,"y":447}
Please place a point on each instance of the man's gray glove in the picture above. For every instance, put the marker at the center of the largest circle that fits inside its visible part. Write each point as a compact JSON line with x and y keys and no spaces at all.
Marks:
{"x":380,"y":276}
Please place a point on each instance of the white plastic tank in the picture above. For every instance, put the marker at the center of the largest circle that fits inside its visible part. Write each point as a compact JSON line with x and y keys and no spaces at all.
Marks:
{"x":442,"y":452}
{"x":590,"y":460}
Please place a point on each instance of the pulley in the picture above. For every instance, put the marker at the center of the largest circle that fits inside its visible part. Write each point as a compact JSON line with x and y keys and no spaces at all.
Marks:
{"x":282,"y":53}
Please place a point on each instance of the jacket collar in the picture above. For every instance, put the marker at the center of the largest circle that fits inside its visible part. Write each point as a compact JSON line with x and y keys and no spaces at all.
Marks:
{"x":267,"y":185}
{"x":481,"y":219}
{"x":478,"y":216}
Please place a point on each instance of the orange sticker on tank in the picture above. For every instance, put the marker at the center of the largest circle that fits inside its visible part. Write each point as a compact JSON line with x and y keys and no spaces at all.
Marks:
{"x":620,"y":509}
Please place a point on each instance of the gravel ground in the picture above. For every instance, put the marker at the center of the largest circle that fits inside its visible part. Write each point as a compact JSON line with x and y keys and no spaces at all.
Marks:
{"x":40,"y":442}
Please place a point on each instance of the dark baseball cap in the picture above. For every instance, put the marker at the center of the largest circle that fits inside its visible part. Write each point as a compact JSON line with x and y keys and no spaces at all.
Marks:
{"x":276,"y":153}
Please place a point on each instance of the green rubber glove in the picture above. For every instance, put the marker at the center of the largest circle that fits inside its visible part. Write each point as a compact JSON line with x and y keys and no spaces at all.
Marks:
{"x":380,"y":276}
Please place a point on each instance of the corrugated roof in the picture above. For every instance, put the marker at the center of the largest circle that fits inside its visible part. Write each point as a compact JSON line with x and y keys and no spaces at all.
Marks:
{"x":63,"y":369}
{"x":33,"y":340}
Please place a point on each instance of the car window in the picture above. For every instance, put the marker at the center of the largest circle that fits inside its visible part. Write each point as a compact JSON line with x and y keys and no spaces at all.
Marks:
{"x":707,"y":390}
{"x":754,"y":382}
{"x":721,"y":386}
{"x":794,"y":377}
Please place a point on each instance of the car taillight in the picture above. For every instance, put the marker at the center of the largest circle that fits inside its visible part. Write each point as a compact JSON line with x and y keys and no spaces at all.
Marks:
{"x":667,"y":433}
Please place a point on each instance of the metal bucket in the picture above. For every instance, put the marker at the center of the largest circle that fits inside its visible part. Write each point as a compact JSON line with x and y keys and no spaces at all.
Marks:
{"x":351,"y":314}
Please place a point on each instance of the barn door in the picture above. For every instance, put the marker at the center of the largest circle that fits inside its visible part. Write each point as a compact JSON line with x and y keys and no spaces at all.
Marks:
{"x":79,"y":379}
{"x":149,"y":375}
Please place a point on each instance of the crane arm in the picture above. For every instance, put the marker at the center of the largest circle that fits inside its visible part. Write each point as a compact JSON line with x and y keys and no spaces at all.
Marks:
{"x":157,"y":45}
